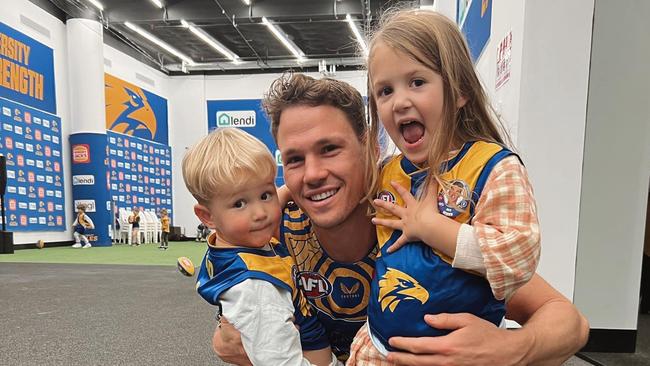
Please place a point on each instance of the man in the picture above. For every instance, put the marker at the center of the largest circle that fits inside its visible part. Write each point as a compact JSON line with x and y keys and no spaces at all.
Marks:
{"x":320,"y":129}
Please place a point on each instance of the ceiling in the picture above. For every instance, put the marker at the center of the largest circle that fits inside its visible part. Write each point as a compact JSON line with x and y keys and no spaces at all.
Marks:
{"x":318,"y":27}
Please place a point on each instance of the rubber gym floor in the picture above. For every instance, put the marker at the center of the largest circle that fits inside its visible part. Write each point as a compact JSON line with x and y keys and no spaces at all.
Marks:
{"x":116,"y":305}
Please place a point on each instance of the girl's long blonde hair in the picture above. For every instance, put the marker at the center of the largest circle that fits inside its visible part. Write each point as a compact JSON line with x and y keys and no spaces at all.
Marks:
{"x":436,"y":42}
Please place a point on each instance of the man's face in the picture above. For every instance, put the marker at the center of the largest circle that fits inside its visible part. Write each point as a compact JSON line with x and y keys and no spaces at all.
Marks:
{"x":323,"y":162}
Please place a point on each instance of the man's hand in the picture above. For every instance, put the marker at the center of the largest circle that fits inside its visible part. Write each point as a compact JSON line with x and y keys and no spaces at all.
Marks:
{"x":473,"y":341}
{"x":226,"y":343}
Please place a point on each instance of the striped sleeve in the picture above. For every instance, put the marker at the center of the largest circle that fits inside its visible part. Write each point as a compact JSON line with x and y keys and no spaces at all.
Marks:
{"x":507,"y":228}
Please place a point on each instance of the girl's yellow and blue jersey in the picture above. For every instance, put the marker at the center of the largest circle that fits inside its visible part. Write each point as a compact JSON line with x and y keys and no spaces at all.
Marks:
{"x":223,"y":268}
{"x":338,"y":291}
{"x":416,"y":280}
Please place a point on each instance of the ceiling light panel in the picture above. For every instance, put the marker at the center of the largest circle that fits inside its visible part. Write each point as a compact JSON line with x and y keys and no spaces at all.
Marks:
{"x":157,"y":3}
{"x":357,"y":34}
{"x":279,"y":34}
{"x":160,"y":43}
{"x":205,"y":37}
{"x":97,"y":4}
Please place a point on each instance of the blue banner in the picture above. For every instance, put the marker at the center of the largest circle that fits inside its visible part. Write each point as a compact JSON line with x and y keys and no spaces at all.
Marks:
{"x":134,"y":111}
{"x":139,"y":173}
{"x":248,"y":115}
{"x":31,"y":142}
{"x":26,"y":70}
{"x":89,"y":185}
{"x":475,"y":20}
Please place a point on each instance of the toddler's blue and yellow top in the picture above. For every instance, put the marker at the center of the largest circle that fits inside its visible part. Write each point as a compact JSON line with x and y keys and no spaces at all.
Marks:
{"x":223,"y":268}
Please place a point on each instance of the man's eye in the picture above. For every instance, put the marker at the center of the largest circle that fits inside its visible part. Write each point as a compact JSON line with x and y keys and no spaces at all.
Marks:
{"x":329,"y":148}
{"x":292,"y":160}
{"x":239,"y":204}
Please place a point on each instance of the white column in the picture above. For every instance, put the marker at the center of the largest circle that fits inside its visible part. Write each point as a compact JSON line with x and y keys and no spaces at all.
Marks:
{"x":86,"y":75}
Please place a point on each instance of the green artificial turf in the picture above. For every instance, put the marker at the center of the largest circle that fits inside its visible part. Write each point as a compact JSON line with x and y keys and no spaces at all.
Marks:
{"x":145,"y":254}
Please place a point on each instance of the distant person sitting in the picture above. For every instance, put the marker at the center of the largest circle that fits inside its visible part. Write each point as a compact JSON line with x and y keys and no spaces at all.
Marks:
{"x":81,"y":223}
{"x":134,"y":220}
{"x":202,"y":232}
{"x":164,"y":236}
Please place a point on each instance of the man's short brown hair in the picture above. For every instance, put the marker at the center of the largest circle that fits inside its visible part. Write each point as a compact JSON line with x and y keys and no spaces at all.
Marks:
{"x":297,"y":89}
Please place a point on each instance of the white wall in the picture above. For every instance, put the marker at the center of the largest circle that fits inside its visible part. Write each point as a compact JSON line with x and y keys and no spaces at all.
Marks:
{"x":551,"y":125}
{"x":616,"y":167}
{"x":11,"y":16}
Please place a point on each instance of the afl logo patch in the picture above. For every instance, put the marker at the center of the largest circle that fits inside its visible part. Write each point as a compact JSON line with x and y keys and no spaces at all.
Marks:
{"x":455,"y":199}
{"x":386,"y":196}
{"x":313,"y":285}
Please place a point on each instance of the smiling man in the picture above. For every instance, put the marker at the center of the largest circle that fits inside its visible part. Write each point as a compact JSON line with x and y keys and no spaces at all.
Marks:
{"x":320,"y":129}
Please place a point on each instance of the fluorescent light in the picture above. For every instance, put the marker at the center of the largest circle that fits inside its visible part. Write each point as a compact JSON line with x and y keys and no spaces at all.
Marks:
{"x":205,"y":37}
{"x":357,"y":34}
{"x":97,"y":4}
{"x":247,"y":2}
{"x":157,"y":3}
{"x":160,"y":43}
{"x":285,"y":41}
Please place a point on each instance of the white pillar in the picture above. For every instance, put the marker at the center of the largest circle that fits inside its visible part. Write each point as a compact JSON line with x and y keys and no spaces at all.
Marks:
{"x":86,"y":75}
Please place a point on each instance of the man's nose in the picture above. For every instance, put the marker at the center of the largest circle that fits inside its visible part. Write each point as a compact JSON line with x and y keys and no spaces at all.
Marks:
{"x":314,"y":171}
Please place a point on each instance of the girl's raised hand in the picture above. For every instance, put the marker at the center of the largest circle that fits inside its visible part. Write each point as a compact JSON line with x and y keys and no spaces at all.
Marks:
{"x":414,"y":220}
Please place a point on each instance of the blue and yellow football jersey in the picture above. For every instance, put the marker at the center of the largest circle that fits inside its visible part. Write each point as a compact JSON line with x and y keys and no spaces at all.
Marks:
{"x":223,"y":268}
{"x":339,"y":291}
{"x":417,"y":280}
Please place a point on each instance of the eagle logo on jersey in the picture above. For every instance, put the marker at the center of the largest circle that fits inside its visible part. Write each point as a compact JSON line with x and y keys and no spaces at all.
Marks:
{"x":351,"y":290}
{"x":396,"y":286}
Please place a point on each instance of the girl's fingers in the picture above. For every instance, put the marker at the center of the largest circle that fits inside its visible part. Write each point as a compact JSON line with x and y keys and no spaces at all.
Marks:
{"x":393,"y":224}
{"x":403,"y":192}
{"x":390,"y":207}
{"x":398,"y":244}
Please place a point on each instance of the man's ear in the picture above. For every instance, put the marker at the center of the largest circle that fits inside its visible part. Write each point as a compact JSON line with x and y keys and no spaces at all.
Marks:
{"x":204,"y":215}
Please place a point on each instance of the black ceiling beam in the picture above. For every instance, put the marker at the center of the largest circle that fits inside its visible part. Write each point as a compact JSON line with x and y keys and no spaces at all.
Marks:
{"x":201,"y":11}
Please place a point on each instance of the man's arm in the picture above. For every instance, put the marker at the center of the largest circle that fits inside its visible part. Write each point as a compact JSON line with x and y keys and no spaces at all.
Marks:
{"x":553,"y":330}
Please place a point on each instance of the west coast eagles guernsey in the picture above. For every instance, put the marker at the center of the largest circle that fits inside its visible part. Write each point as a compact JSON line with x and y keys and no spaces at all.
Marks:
{"x":416,"y":280}
{"x":223,"y":268}
{"x":338,"y":291}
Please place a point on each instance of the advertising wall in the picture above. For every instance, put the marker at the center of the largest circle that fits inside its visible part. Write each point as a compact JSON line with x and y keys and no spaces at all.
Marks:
{"x":31,"y":143}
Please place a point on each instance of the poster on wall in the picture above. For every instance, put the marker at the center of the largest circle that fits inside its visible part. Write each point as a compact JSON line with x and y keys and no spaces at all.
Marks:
{"x":26,"y":70}
{"x":248,"y":115}
{"x":504,"y":57}
{"x":474,"y":17}
{"x":134,"y":111}
{"x":139,"y":173}
{"x":31,"y":142}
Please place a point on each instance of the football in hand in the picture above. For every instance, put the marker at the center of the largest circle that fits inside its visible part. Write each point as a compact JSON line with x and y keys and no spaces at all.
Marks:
{"x":185,"y":266}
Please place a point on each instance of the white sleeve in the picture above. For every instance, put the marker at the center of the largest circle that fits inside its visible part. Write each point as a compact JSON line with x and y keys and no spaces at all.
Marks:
{"x":263,"y":314}
{"x":468,"y":251}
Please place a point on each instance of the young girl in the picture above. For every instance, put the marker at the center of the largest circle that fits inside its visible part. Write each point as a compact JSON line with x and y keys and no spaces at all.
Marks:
{"x":134,"y":220}
{"x":456,"y":188}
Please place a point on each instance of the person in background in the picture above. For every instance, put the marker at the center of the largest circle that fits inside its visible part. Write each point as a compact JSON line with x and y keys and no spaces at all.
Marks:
{"x":81,"y":223}
{"x":245,"y":272}
{"x":134,"y":220}
{"x":164,"y":236}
